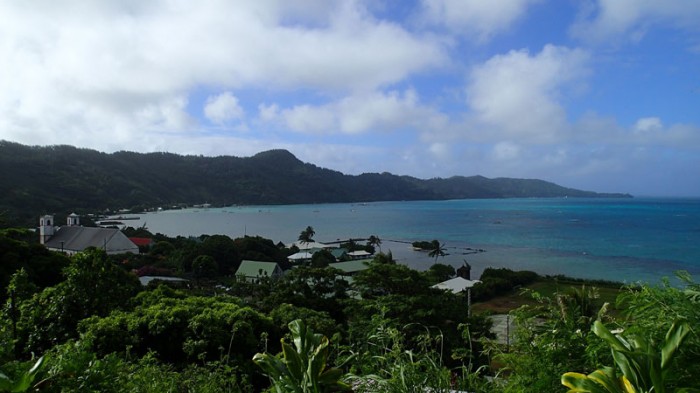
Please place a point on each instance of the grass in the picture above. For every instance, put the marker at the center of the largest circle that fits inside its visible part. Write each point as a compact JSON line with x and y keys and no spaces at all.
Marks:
{"x":546,"y":286}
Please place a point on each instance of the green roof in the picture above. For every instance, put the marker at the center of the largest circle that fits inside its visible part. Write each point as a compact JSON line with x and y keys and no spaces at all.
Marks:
{"x":338,"y":252}
{"x":258,"y":269}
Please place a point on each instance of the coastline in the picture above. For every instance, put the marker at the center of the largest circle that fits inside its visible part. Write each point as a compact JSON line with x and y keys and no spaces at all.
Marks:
{"x":628,"y":240}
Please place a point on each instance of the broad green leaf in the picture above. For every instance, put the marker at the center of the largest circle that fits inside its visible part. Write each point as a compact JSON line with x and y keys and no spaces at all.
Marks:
{"x":580,"y":383}
{"x":674,"y":339}
{"x":294,"y":363}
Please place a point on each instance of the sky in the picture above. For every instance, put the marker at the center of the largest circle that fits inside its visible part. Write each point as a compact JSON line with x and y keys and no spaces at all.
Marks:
{"x":600,"y":95}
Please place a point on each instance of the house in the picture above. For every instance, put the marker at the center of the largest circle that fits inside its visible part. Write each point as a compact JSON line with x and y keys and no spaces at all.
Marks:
{"x":360,"y":254}
{"x":301,"y":257}
{"x":456,"y":285}
{"x":144,"y":242}
{"x":73,"y":238}
{"x":254,"y":270}
{"x":340,"y":254}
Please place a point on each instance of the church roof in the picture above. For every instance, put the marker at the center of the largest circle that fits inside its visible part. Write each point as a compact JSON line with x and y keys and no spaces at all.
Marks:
{"x":75,"y":238}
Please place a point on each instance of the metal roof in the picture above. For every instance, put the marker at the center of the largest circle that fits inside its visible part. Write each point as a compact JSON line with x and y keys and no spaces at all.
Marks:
{"x":77,"y":238}
{"x":258,"y":269}
{"x":457,"y":284}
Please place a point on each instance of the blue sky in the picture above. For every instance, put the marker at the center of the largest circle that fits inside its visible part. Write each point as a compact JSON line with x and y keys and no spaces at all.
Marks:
{"x":594,"y":94}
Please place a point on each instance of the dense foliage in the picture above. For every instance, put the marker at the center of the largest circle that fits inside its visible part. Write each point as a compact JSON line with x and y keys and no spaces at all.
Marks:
{"x":64,"y":179}
{"x":94,"y":327}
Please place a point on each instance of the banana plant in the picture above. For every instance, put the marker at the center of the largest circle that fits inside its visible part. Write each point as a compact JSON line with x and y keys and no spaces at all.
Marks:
{"x":642,"y":364}
{"x":302,"y":368}
{"x":23,"y":382}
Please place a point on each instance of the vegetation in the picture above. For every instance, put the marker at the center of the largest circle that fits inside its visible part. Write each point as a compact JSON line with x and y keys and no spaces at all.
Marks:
{"x":93,"y":327}
{"x":302,"y":368}
{"x":65,"y":179}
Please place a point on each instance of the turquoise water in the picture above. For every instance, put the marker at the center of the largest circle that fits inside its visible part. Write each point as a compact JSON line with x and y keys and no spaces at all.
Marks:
{"x":639,"y":239}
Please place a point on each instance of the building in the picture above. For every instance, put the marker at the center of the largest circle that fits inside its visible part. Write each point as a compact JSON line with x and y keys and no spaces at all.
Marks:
{"x":73,"y":238}
{"x":254,"y":270}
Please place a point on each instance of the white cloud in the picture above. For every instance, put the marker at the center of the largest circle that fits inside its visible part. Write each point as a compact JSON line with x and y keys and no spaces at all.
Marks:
{"x":440,"y":150}
{"x":360,"y":113}
{"x":85,"y":69}
{"x":223,"y":108}
{"x":603,"y":20}
{"x":648,"y":124}
{"x":506,"y":151}
{"x":479,"y":17}
{"x":517,"y":95}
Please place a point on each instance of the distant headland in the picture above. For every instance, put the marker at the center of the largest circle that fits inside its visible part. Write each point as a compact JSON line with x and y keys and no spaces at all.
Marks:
{"x":66,"y":178}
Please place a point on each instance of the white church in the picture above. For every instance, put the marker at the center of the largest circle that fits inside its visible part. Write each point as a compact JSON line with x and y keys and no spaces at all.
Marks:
{"x":73,"y":238}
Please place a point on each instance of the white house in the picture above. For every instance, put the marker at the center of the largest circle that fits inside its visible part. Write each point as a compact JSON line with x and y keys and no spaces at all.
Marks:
{"x":73,"y":238}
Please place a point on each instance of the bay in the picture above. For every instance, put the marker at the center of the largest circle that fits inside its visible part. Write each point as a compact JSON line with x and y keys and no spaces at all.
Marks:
{"x":629,"y":240}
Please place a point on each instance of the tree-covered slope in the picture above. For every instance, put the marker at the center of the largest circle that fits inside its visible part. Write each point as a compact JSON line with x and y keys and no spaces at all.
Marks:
{"x":36,"y":180}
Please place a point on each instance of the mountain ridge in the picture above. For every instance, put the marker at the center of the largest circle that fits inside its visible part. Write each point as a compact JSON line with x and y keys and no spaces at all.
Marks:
{"x":64,"y":178}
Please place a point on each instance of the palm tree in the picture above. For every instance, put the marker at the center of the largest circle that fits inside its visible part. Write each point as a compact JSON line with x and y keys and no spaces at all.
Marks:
{"x":438,"y":250}
{"x":375,"y":241}
{"x":307,"y":235}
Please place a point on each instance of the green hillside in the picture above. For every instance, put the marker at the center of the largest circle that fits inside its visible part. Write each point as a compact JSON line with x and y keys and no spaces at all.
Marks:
{"x":37,"y":180}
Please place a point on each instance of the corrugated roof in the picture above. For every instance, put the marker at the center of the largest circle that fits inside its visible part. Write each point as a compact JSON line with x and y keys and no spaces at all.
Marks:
{"x":301,"y":255}
{"x":338,"y":252}
{"x":258,"y":269}
{"x":359,"y":253}
{"x":75,"y":238}
{"x":141,"y":241}
{"x":456,"y":285}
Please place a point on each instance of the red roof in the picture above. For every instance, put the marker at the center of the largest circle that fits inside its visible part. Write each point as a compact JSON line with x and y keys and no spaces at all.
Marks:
{"x":141,"y":241}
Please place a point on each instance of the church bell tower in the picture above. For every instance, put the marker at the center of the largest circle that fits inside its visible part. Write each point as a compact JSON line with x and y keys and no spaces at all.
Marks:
{"x":46,"y":228}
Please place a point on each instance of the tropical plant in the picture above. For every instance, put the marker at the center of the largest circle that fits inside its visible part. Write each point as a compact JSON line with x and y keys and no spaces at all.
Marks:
{"x":437,"y":250}
{"x":550,"y":338}
{"x":375,"y":241}
{"x":388,"y":361}
{"x":302,"y":368}
{"x":643,"y":364}
{"x":23,"y":381}
{"x":307,"y":235}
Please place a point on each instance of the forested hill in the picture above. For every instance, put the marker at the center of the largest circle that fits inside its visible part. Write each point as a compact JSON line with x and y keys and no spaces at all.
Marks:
{"x":36,"y":180}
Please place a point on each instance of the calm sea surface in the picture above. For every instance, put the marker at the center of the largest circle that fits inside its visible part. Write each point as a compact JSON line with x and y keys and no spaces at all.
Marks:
{"x":639,"y":239}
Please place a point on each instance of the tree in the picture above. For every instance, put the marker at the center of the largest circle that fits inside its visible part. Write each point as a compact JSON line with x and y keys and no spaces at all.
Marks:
{"x":94,"y":286}
{"x":224,"y":251}
{"x":375,"y":241}
{"x":438,"y":250}
{"x":386,"y":259}
{"x":389,"y":279}
{"x":256,"y":248}
{"x":307,"y":235}
{"x":204,"y":266}
{"x":178,"y":328}
{"x":320,"y":289}
{"x":440,"y":272}
{"x":322,"y":258}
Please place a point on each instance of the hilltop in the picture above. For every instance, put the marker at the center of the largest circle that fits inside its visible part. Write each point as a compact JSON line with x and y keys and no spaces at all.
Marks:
{"x":65,"y":178}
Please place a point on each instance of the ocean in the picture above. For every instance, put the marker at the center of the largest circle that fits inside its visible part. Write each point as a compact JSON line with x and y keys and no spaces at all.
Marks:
{"x":628,"y":240}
